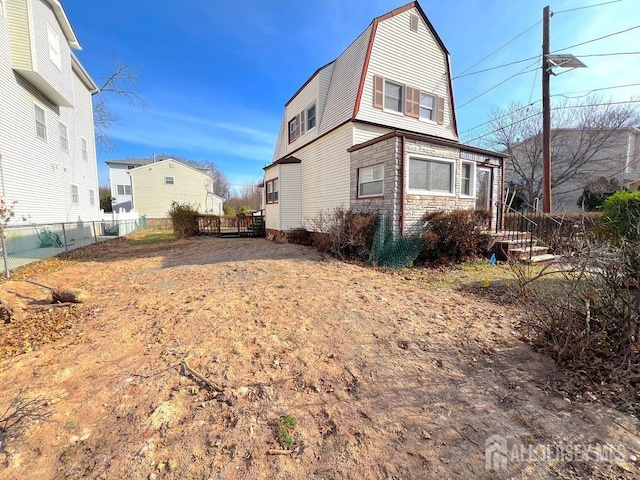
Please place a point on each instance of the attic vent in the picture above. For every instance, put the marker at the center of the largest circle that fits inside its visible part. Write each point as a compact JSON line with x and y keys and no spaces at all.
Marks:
{"x":413,"y":24}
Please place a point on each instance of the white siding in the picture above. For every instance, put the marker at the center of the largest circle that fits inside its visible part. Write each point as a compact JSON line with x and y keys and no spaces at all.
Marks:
{"x":118,"y":176}
{"x":153,"y":197}
{"x":281,"y":144}
{"x":363,"y":132}
{"x":290,"y":196}
{"x":325,"y":172}
{"x":345,"y":81}
{"x":38,"y":174}
{"x":324,"y":82}
{"x":411,"y":58}
{"x":306,"y":98}
{"x":272,"y":210}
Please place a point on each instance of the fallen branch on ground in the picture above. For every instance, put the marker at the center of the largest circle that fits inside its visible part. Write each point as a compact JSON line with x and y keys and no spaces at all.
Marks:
{"x":186,"y":369}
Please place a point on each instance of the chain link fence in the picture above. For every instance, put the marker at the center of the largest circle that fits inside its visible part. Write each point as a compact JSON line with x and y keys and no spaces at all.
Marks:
{"x":25,"y":244}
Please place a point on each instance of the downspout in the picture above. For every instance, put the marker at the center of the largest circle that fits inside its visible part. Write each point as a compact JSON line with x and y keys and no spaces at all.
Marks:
{"x":403,"y":152}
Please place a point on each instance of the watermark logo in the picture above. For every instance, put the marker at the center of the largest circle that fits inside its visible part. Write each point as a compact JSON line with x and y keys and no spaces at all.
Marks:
{"x":495,"y":453}
{"x":498,"y":453}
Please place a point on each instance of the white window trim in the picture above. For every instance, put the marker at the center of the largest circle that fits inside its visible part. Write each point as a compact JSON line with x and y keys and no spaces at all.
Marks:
{"x":434,"y":111}
{"x":76,"y":194}
{"x":275,"y":191}
{"x":44,"y":113}
{"x":417,"y":191}
{"x":306,"y":118}
{"x":289,"y":137}
{"x":384,"y":97}
{"x":66,"y":137}
{"x":92,"y":197}
{"x":84,"y":146}
{"x":173,"y":180}
{"x":3,"y":9}
{"x":360,"y":170}
{"x":473,"y":179}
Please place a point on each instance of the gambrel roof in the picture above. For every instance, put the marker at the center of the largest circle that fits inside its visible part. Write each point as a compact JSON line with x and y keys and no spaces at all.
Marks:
{"x":341,"y":82}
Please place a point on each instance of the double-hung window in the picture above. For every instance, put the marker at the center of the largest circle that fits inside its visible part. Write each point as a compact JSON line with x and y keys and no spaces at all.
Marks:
{"x":431,"y":176}
{"x":393,"y":96}
{"x":124,"y":189}
{"x":311,"y":117}
{"x":169,"y":181}
{"x":371,"y":181}
{"x":92,"y":197}
{"x":467,"y":179}
{"x":427,"y":106}
{"x":41,"y":123}
{"x":85,"y":149}
{"x":272,"y":191}
{"x":75,"y":196}
{"x":64,"y":137}
{"x":54,"y":46}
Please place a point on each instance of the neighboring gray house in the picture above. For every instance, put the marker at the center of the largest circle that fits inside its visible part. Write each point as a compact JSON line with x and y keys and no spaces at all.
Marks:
{"x":120,"y":181}
{"x":375,"y":129}
{"x":47,"y":148}
{"x":600,"y":154}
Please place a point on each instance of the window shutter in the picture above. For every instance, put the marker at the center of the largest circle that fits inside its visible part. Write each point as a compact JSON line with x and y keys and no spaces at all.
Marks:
{"x":378,"y":91}
{"x":412,"y":103}
{"x":440,"y":110}
{"x":303,"y":124}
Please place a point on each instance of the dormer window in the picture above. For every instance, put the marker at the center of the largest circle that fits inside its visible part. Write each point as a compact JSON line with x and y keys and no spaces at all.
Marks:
{"x":427,"y":106}
{"x":294,"y":128}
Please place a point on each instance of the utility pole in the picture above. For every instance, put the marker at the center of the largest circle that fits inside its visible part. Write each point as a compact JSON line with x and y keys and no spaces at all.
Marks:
{"x":546,"y":114}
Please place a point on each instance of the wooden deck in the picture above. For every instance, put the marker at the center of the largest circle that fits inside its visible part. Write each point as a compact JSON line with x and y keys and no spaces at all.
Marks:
{"x":231,"y":227}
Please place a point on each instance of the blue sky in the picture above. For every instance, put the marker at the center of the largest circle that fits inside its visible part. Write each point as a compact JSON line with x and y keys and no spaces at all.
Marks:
{"x":216,"y":75}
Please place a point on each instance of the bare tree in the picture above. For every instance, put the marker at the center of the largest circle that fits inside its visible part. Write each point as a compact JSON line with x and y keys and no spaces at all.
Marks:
{"x":249,"y":195}
{"x":588,"y":140}
{"x":123,"y":81}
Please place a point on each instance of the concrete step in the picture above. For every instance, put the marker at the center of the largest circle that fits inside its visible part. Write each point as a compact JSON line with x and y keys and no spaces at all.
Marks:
{"x":545,"y":258}
{"x":524,"y":252}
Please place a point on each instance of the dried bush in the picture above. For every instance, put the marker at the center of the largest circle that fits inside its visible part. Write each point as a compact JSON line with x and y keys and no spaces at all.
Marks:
{"x":585,"y":313}
{"x":184,"y":219}
{"x":456,"y":236}
{"x":18,"y":415}
{"x":343,"y":233}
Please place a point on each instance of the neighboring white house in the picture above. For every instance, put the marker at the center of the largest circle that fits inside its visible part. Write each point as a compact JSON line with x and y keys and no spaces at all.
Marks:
{"x":47,"y":147}
{"x":601,"y":154}
{"x":156,"y":185}
{"x":375,"y":130}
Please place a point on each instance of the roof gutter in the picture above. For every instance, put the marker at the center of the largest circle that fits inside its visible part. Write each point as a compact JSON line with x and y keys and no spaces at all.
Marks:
{"x":63,"y":20}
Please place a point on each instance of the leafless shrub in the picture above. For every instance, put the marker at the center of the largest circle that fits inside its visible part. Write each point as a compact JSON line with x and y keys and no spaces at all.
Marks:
{"x":343,"y":233}
{"x":21,"y":412}
{"x":585,"y":313}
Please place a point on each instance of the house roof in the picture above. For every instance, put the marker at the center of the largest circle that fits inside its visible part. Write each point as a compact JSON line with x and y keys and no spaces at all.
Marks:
{"x":348,"y":77}
{"x":283,"y":161}
{"x":63,"y":20}
{"x":83,"y":74}
{"x":427,"y":138}
{"x":203,"y":170}
{"x":138,"y":162}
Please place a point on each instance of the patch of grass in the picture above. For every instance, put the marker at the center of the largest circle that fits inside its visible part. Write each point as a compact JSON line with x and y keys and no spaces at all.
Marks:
{"x":285,"y":435}
{"x":151,"y":237}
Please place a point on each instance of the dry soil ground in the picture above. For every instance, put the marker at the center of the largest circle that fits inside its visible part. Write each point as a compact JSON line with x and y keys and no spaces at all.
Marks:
{"x":390,"y":376}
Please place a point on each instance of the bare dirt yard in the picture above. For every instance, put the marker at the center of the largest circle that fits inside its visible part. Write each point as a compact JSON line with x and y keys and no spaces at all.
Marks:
{"x":242,"y":358}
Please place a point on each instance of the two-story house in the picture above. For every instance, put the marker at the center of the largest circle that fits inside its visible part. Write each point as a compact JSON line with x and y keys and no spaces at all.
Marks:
{"x":375,"y":130}
{"x":120,"y":181}
{"x":156,"y":185}
{"x":47,"y":147}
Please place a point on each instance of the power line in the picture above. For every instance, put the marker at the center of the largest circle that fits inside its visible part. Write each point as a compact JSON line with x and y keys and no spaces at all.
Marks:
{"x":494,"y":68}
{"x":564,"y":107}
{"x":608,"y":54}
{"x":502,"y":82}
{"x":597,"y":39}
{"x":500,"y":48}
{"x":566,"y":95}
{"x":586,"y":6}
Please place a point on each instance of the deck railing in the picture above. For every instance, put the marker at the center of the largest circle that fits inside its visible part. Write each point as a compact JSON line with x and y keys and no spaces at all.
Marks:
{"x":241,"y":226}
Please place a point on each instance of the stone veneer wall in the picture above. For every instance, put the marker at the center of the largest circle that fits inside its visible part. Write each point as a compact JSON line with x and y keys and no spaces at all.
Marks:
{"x":388,"y":153}
{"x":417,"y":205}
